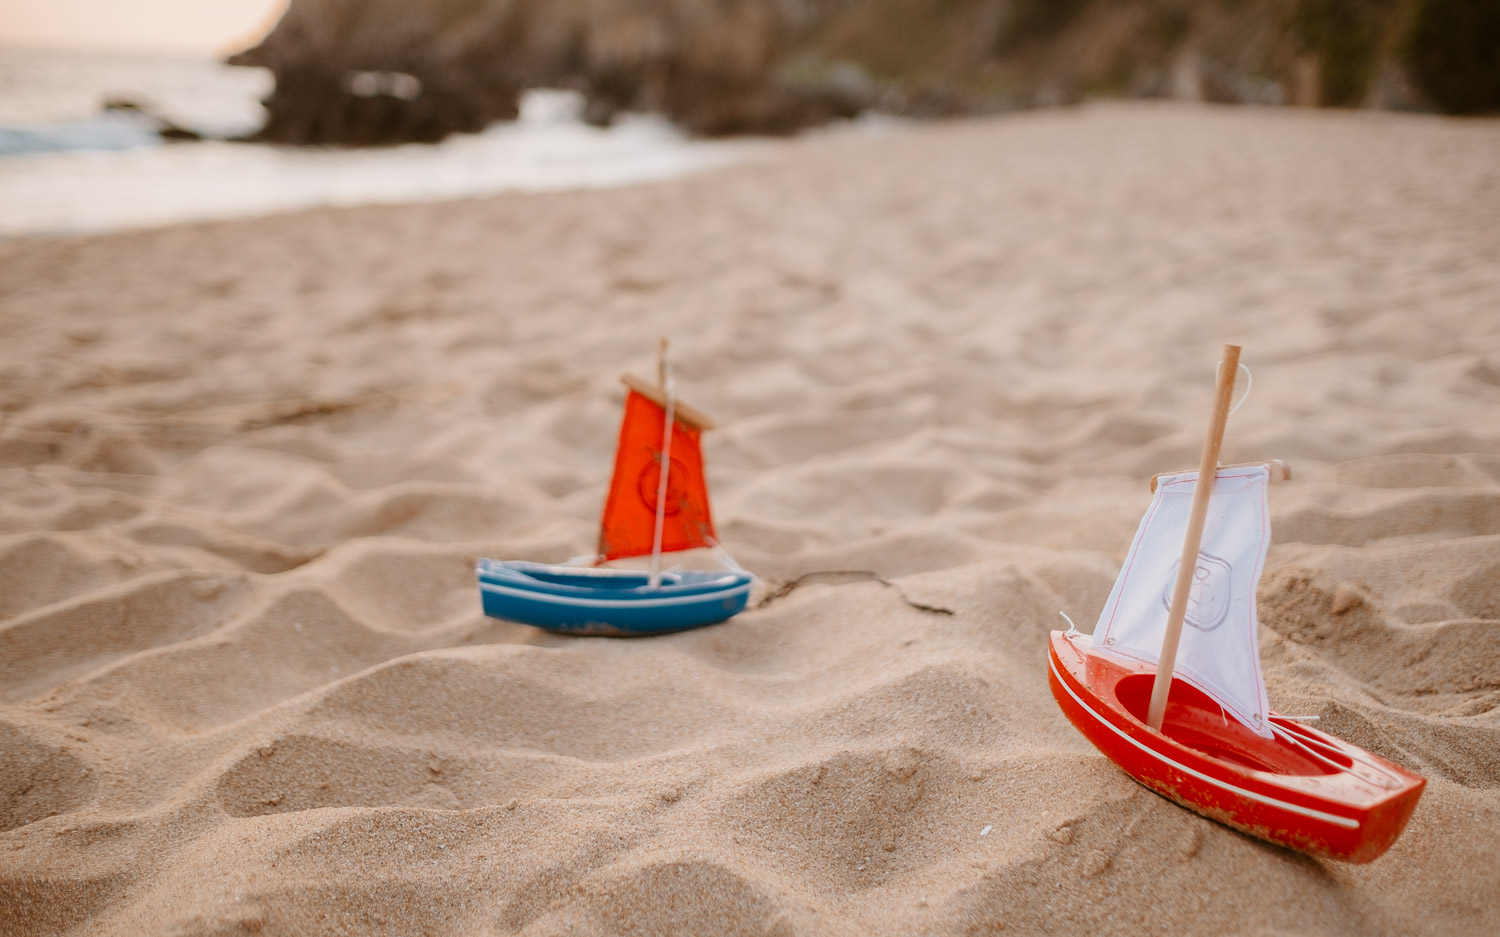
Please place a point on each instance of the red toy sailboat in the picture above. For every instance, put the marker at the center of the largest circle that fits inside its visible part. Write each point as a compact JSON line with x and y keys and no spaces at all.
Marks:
{"x":1185,"y":711}
{"x":657,"y":504}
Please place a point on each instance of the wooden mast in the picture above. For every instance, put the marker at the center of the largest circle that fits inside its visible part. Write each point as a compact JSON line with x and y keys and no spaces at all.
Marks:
{"x":1208,"y":467}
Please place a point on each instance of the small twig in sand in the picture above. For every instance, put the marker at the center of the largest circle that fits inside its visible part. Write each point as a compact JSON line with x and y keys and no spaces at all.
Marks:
{"x":837,"y":576}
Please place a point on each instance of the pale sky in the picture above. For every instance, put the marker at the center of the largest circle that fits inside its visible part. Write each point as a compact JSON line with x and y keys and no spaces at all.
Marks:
{"x":208,"y":27}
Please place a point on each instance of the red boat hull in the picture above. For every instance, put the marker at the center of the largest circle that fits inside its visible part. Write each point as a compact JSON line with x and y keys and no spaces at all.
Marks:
{"x":1301,"y":789}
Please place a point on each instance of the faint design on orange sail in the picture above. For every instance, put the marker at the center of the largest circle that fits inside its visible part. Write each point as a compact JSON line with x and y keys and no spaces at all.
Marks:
{"x":629,"y":522}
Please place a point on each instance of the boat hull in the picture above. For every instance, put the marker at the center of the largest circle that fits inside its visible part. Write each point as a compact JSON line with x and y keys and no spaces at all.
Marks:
{"x":1302,"y":788}
{"x":614,"y":602}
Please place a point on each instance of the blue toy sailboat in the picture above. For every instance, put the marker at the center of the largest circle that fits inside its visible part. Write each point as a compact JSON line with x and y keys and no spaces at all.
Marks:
{"x":657,"y":503}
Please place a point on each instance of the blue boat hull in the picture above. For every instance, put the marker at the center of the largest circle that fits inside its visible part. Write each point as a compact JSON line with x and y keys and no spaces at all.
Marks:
{"x":618,"y":602}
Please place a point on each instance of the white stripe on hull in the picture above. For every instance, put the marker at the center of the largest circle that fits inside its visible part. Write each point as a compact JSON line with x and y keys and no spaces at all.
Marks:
{"x":1335,"y":819}
{"x":697,"y":598}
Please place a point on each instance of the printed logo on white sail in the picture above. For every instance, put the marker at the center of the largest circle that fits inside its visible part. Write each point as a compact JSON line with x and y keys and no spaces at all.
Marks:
{"x":1208,"y":600}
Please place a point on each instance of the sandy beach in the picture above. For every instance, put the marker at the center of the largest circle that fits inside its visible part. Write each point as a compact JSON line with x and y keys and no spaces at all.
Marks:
{"x":246,"y":468}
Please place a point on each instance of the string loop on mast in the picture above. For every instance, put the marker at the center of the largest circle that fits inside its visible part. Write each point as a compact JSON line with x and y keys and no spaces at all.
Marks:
{"x":1249,"y":384}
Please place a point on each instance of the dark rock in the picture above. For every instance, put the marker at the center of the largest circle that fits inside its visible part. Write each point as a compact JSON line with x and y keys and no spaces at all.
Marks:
{"x":706,"y":66}
{"x":164,"y":126}
{"x":362,"y":72}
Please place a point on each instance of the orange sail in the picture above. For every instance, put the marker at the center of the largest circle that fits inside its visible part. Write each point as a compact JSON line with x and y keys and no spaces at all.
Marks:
{"x":629,"y":523}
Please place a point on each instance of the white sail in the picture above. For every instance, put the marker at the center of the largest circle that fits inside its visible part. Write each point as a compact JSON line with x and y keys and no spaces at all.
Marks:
{"x":1218,"y":653}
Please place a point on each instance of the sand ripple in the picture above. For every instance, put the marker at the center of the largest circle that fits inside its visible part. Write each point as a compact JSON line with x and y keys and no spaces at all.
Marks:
{"x":245,"y":468}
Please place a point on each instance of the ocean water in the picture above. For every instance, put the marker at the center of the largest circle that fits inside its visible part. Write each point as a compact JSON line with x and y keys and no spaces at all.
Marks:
{"x":68,"y":167}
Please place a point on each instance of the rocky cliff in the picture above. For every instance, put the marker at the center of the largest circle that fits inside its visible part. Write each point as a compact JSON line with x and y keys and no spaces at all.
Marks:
{"x":383,"y":71}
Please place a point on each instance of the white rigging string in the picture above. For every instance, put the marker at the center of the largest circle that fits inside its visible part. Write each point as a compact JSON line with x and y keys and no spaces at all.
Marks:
{"x":1072,"y":628}
{"x":1386,"y":779}
{"x":1249,"y":383}
{"x":724,"y":557}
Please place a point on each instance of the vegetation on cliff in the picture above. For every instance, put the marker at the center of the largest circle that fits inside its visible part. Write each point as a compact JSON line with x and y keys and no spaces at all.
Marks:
{"x":1454,"y":52}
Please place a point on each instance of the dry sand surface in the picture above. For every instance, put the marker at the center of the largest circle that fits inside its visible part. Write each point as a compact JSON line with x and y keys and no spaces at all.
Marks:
{"x":245,"y":469}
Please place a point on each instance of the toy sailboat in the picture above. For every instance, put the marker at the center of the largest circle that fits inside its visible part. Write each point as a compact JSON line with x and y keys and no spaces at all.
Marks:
{"x":1185,"y":711}
{"x":657,"y":504}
